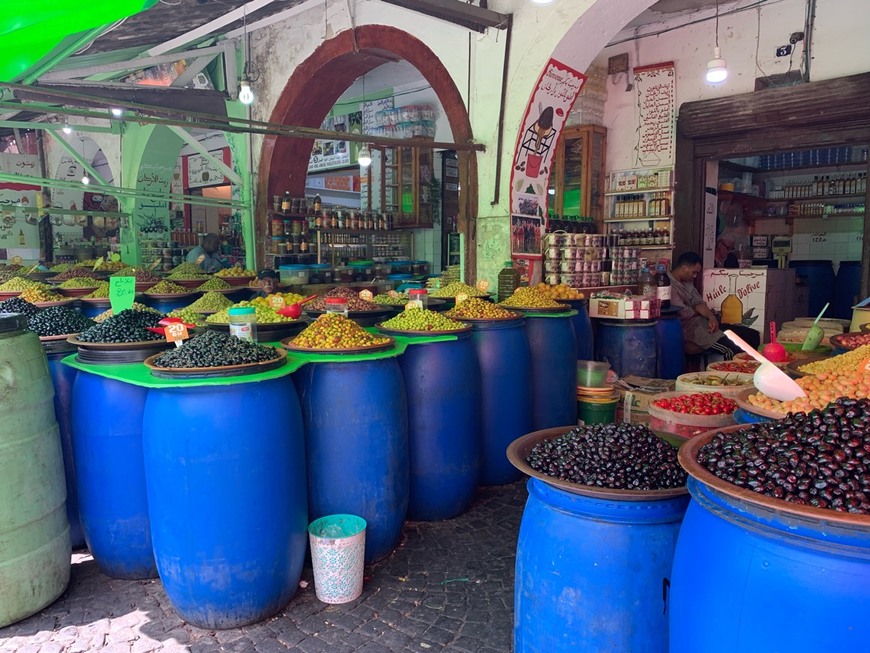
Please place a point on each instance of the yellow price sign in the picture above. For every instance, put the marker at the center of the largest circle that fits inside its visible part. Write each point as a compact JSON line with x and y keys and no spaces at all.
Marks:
{"x":175,"y":332}
{"x":414,"y":303}
{"x":16,"y":260}
{"x":277,"y":301}
{"x":98,"y":263}
{"x":483,"y":285}
{"x":461,"y":297}
{"x":116,"y":257}
{"x":393,"y":293}
{"x":366,"y":295}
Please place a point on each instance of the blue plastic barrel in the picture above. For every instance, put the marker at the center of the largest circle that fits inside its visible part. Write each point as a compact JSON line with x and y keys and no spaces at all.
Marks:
{"x":629,"y":346}
{"x":92,"y":309}
{"x":553,"y":347}
{"x":227,"y":498}
{"x":766,"y":579}
{"x":442,"y":381}
{"x":671,"y":360}
{"x":743,"y":416}
{"x":582,"y":328}
{"x":847,"y":287}
{"x":819,"y":276}
{"x":356,"y":444}
{"x":110,"y":473}
{"x":505,"y":367}
{"x":63,"y":377}
{"x":169,"y":304}
{"x":592,"y":572}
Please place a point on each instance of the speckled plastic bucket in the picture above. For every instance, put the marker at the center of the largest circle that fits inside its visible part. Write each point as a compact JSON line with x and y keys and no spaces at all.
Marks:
{"x":338,"y":544}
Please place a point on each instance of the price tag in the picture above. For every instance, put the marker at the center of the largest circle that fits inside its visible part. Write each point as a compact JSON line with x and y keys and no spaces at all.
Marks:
{"x":98,"y":263}
{"x":366,"y":295}
{"x":115,"y":257}
{"x":414,"y":303}
{"x":277,"y":301}
{"x":200,"y":259}
{"x":461,"y":297}
{"x":176,"y":332}
{"x":483,"y":285}
{"x":122,"y":291}
{"x":393,"y":293}
{"x":16,"y":260}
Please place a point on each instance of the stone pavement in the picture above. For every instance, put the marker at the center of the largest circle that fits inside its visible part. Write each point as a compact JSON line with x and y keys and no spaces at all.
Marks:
{"x":448,"y":587}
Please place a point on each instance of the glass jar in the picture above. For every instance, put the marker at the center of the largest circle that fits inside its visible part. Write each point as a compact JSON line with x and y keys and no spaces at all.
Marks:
{"x":418,"y":298}
{"x":336,"y":305}
{"x":243,"y":322}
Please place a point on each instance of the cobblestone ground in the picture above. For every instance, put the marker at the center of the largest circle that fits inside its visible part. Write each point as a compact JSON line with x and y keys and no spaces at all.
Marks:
{"x":448,"y":587}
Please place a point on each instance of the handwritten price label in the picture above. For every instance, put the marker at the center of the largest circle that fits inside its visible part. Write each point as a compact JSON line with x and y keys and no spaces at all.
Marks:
{"x":98,"y":263}
{"x":175,"y":332}
{"x":483,"y":285}
{"x":461,"y":297}
{"x":277,"y":301}
{"x":122,"y":291}
{"x":16,"y":260}
{"x":414,"y":303}
{"x":366,"y":295}
{"x":116,"y":257}
{"x":393,"y":293}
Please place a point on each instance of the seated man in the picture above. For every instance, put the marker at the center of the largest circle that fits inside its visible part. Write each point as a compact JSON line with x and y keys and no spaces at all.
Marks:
{"x":268,"y":283}
{"x":207,"y":256}
{"x":701,"y":329}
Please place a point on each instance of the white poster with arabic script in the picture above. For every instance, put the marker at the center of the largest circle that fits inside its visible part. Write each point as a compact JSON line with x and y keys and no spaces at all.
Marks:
{"x":554,"y":95}
{"x":656,"y":88}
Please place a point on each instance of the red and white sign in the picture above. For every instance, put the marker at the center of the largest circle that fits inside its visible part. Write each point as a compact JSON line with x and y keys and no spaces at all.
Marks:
{"x":555,"y":93}
{"x":200,"y":171}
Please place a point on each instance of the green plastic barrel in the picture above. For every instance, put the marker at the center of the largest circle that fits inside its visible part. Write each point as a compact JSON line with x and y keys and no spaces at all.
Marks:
{"x":34,"y":531}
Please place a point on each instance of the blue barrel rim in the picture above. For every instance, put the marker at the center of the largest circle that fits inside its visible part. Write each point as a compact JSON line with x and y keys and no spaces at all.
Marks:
{"x":519,"y":450}
{"x":489,"y":325}
{"x":759,"y":512}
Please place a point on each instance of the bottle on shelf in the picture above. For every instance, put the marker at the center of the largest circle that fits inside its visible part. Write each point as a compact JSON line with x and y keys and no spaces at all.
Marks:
{"x":286,"y":202}
{"x":732,"y":307}
{"x":318,"y":203}
{"x":663,"y":286}
{"x":646,"y":285}
{"x":508,"y":281}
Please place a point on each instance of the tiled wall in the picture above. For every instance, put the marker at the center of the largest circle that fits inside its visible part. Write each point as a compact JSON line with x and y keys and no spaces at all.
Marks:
{"x":834,"y":239}
{"x":427,"y":246}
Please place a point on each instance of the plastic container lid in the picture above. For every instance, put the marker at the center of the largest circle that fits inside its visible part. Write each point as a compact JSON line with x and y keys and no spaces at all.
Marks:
{"x":319,"y":266}
{"x":361,"y":264}
{"x":418,"y":291}
{"x":10,"y":322}
{"x":292,"y":267}
{"x":242,"y":310}
{"x":336,"y":300}
{"x":399,"y":276}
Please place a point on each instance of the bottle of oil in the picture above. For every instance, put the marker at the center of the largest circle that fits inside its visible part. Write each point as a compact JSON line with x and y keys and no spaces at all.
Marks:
{"x":508,"y":281}
{"x":732,"y":307}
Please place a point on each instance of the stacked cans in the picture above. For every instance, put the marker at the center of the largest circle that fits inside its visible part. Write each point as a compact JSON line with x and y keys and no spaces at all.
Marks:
{"x":577,"y":260}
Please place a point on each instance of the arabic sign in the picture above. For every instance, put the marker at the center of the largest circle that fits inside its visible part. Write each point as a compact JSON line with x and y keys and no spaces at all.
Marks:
{"x":151,"y":214}
{"x":551,"y":102}
{"x":19,"y":164}
{"x":657,"y":106}
{"x":202,"y":171}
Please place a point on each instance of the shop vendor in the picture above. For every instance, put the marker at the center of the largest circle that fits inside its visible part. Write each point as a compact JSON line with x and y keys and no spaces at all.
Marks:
{"x":207,"y":255}
{"x":701,"y":329}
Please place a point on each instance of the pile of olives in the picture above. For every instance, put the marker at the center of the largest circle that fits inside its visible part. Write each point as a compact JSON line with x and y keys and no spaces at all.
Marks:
{"x":456,"y":288}
{"x":105,"y":315}
{"x":100,"y":292}
{"x":187,"y":276}
{"x":819,"y":459}
{"x":17,"y":284}
{"x":390,"y":300}
{"x":141,"y":274}
{"x":36,"y":295}
{"x":526,"y":297}
{"x":354,"y":303}
{"x":75,"y":273}
{"x":186,"y":268}
{"x":422,"y":319}
{"x":214,"y":283}
{"x":215,"y":349}
{"x":210,"y":302}
{"x":58,"y":321}
{"x":79,"y":282}
{"x":127,"y":326}
{"x":18,"y":305}
{"x":167,"y":288}
{"x":613,"y":456}
{"x":188,"y":316}
{"x":264,"y":313}
{"x":334,"y":331}
{"x":479,"y":309}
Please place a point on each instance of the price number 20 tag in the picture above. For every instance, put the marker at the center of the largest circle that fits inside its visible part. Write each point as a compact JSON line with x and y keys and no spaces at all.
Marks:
{"x":176,"y":332}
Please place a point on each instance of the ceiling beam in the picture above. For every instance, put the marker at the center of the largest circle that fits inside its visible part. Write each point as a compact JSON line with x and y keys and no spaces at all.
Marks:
{"x":55,"y":126}
{"x":459,"y":13}
{"x":302,"y":7}
{"x":131,"y":64}
{"x":191,"y":140}
{"x":211,"y":26}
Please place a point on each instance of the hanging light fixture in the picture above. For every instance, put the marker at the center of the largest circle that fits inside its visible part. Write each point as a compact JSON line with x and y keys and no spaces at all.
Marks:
{"x":246,"y":93}
{"x":66,"y":129}
{"x":117,"y":112}
{"x":542,"y":2}
{"x":717,"y":69}
{"x":85,"y":179}
{"x":364,"y":157}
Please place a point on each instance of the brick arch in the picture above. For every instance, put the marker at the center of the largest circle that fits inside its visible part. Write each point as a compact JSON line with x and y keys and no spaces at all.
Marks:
{"x":315,"y":85}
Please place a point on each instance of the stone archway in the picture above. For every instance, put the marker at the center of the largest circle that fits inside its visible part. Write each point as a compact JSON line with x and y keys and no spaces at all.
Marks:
{"x":316,"y":84}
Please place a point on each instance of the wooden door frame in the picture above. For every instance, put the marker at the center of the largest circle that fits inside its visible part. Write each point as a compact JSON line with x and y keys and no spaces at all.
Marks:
{"x":827,"y":113}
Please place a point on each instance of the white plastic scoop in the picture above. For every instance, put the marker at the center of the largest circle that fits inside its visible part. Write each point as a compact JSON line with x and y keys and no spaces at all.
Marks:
{"x":768,"y":378}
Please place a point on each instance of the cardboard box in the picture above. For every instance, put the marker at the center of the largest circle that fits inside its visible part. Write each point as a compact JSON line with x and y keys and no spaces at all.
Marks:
{"x":622,"y":308}
{"x":612,"y":308}
{"x":635,"y":398}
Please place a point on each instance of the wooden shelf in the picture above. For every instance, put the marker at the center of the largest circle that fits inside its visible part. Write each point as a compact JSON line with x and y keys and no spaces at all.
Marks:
{"x":640,"y":191}
{"x":652,"y":218}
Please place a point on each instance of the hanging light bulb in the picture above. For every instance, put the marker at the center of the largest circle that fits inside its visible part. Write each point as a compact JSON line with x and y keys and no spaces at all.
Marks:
{"x":66,"y":129}
{"x":246,"y":94}
{"x":717,"y":69}
{"x":542,"y":2}
{"x":85,"y":179}
{"x":365,"y":156}
{"x":117,"y":112}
